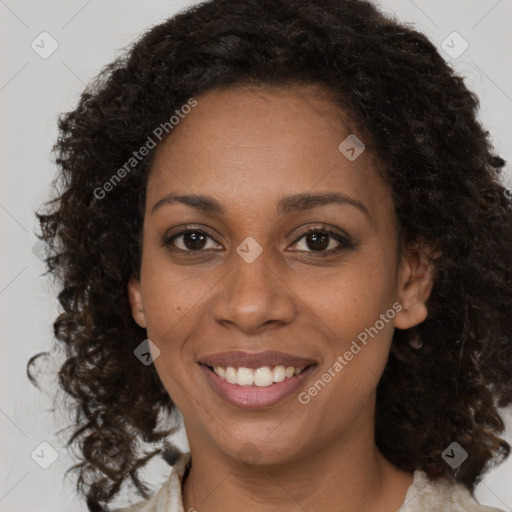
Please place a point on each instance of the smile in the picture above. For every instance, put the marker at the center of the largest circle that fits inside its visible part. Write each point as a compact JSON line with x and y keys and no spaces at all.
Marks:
{"x":262,"y":377}
{"x":255,"y":388}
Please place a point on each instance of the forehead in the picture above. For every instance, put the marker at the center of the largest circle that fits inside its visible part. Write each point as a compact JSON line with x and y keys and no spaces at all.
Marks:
{"x":260,"y":144}
{"x":245,"y":121}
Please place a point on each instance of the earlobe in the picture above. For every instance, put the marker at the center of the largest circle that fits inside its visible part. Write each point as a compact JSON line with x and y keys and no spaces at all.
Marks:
{"x":415,"y":285}
{"x":135,"y":298}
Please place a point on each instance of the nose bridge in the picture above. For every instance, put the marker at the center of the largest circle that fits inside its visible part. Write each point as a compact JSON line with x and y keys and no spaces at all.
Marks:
{"x":253,"y":292}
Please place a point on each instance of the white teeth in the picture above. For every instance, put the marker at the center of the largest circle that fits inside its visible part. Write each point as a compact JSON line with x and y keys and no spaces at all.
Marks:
{"x":279,"y":373}
{"x":244,"y":377}
{"x":261,"y":377}
{"x":220,"y":371}
{"x":230,"y":375}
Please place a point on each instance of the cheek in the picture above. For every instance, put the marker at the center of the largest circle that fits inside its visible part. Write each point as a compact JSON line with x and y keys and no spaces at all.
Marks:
{"x":173,"y":298}
{"x":352,"y":296}
{"x":172,"y":303}
{"x":354,"y":307}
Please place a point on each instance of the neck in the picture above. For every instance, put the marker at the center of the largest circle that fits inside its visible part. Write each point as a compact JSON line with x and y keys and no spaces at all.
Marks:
{"x":347,"y":474}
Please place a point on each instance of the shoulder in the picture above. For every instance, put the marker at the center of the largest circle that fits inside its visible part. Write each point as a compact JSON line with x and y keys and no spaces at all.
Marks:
{"x":168,"y":498}
{"x":425,"y":495}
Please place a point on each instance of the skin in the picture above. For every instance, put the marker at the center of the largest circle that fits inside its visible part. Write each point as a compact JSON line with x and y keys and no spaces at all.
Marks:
{"x":247,"y":148}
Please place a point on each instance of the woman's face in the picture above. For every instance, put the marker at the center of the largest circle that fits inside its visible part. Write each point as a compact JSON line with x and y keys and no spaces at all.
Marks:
{"x":248,"y":279}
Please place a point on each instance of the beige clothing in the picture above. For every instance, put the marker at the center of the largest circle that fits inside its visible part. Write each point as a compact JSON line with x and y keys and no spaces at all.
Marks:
{"x":422,"y":495}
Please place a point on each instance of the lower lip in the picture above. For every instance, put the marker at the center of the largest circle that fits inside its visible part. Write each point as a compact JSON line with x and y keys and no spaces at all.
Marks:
{"x":255,"y":397}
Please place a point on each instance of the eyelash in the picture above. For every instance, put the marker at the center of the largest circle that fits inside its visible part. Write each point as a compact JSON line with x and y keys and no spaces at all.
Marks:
{"x":344,"y":240}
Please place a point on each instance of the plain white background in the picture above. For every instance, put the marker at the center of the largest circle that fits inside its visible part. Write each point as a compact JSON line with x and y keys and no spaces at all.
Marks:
{"x":33,"y":90}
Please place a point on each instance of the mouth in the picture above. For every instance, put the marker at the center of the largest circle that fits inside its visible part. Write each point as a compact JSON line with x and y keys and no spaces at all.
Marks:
{"x":262,"y":377}
{"x":256,"y":388}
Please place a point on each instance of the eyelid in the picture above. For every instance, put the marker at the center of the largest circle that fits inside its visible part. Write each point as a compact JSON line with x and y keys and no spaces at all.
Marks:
{"x":187,"y":228}
{"x":344,"y":240}
{"x":323,"y":228}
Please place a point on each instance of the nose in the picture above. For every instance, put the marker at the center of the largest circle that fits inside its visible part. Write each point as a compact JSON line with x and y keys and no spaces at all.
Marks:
{"x":254,"y":295}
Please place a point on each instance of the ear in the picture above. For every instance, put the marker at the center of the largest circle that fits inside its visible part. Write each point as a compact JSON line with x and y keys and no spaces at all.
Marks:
{"x":135,"y":298}
{"x":415,"y":285}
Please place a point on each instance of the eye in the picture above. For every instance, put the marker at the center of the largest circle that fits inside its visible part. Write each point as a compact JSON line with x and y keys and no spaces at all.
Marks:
{"x":324,"y":241}
{"x":320,"y":240}
{"x":189,"y":240}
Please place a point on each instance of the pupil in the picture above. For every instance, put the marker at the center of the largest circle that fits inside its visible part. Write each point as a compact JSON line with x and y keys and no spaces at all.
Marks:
{"x":315,"y":236}
{"x":196,"y":240}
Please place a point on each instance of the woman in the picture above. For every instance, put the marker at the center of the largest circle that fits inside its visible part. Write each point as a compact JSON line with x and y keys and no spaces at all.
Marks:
{"x":283,"y":220}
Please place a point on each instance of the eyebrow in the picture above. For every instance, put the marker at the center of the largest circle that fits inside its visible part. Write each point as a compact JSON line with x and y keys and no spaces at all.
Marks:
{"x":287,"y":204}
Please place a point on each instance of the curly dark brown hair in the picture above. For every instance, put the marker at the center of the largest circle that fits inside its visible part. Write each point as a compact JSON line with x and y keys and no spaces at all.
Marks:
{"x":440,"y":165}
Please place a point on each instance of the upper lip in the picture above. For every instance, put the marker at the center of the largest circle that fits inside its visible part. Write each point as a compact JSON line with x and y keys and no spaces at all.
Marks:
{"x":255,"y":359}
